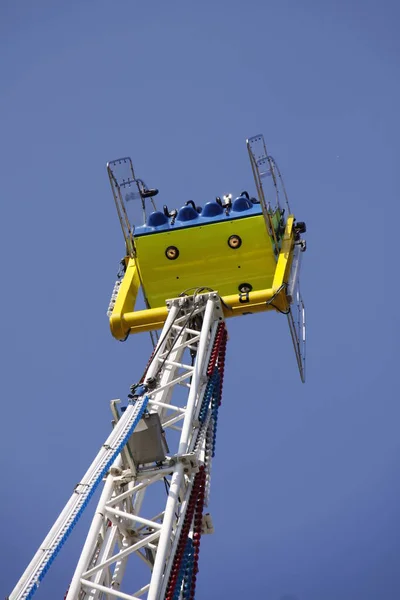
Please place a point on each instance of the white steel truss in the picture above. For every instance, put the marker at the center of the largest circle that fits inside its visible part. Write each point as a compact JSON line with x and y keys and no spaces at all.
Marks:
{"x":143,"y":542}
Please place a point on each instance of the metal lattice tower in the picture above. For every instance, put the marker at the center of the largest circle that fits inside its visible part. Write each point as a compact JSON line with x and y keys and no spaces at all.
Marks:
{"x":179,"y":394}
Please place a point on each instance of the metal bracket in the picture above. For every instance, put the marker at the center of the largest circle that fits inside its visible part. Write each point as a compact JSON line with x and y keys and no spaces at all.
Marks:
{"x":207,"y":525}
{"x":190,"y":462}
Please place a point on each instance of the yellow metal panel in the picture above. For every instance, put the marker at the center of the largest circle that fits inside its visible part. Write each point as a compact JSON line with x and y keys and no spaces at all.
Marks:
{"x":205,"y":259}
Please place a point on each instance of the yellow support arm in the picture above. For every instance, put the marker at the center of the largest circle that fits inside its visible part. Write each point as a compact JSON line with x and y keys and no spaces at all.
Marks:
{"x":285,"y":256}
{"x":284,"y":264}
{"x":125,"y":302}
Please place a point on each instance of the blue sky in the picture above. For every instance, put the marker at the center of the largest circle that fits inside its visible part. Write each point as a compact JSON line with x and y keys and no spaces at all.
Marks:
{"x":306,"y":489}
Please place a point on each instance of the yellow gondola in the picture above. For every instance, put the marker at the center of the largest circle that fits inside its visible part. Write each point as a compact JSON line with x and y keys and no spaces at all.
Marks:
{"x":246,"y":249}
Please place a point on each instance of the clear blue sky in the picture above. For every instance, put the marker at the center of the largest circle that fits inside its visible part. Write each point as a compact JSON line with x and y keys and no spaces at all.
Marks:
{"x":305,"y":495}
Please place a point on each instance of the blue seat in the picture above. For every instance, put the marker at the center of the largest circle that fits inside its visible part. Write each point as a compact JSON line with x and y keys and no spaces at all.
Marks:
{"x":241,"y":204}
{"x":187,"y":213}
{"x":212,"y":209}
{"x":156,"y":219}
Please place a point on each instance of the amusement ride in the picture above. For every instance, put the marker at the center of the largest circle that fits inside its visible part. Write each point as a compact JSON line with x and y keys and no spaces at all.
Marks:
{"x":155,"y":466}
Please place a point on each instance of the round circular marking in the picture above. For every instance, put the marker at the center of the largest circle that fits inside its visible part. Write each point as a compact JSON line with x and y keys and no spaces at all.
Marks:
{"x":234,"y":242}
{"x":172,"y":253}
{"x":245,"y":288}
